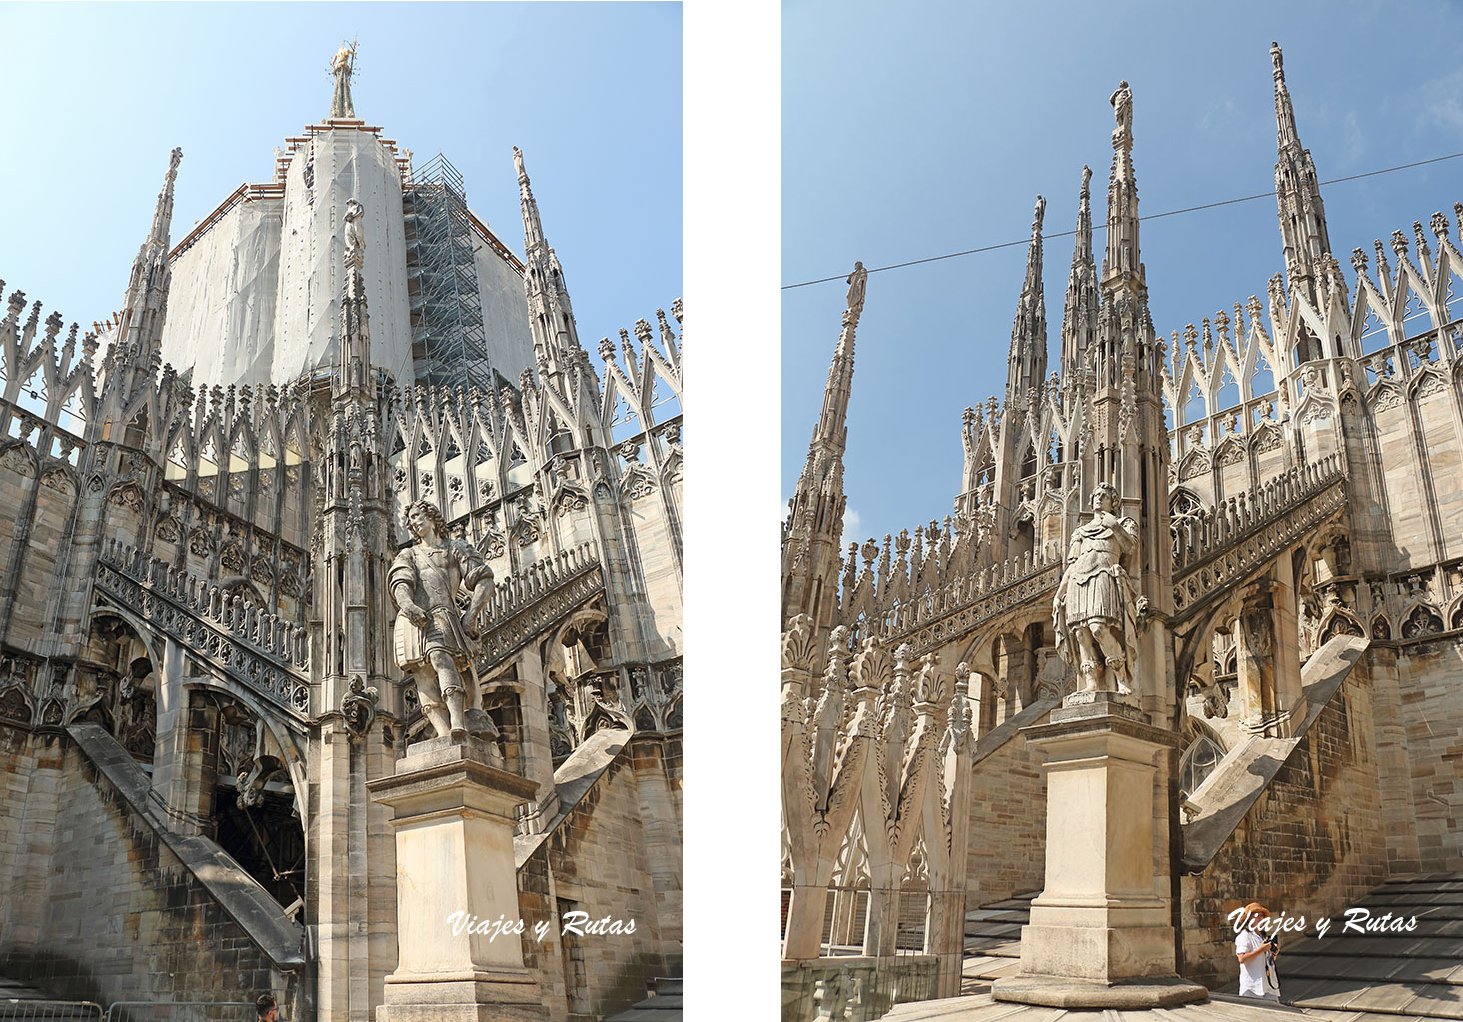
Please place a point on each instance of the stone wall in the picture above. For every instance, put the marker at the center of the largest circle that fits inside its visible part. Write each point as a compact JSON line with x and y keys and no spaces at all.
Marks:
{"x":1311,"y":845}
{"x":1432,"y":716}
{"x":1007,"y":843}
{"x":598,"y":857}
{"x":115,"y":914}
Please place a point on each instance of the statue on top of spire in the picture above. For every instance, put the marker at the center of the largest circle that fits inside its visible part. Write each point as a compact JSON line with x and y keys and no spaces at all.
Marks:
{"x":1122,"y":104}
{"x":342,"y":67}
{"x":856,"y":281}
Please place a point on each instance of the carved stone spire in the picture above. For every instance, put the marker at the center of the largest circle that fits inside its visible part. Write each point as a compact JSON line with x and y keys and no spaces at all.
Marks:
{"x":342,"y":66}
{"x":1079,"y":315}
{"x":832,"y":431}
{"x":1122,"y":265}
{"x":1298,"y":196}
{"x":1028,"y":332}
{"x":145,"y":305}
{"x":551,"y":315}
{"x":810,"y":555}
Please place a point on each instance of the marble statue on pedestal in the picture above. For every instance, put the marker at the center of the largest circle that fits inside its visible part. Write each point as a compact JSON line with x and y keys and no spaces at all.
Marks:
{"x":1096,"y":607}
{"x":432,"y":636}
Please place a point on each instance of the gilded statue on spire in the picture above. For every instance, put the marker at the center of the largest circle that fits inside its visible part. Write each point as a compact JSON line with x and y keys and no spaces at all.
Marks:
{"x":342,"y":67}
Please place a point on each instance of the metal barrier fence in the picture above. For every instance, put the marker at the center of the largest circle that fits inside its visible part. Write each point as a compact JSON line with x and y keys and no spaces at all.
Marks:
{"x":181,"y":1011}
{"x":126,"y":1011}
{"x":50,"y":1011}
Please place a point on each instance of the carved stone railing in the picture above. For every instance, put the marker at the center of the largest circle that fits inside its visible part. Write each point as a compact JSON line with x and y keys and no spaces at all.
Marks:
{"x":537,"y":598}
{"x":929,"y":619}
{"x":266,"y":654}
{"x":1216,"y":549}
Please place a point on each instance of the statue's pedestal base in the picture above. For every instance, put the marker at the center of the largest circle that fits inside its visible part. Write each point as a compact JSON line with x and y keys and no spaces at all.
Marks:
{"x":453,"y":817}
{"x":1133,"y":994}
{"x":1101,"y":932}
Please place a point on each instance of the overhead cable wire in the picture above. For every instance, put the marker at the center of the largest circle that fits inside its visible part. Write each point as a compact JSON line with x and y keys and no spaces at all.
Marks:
{"x":1098,"y":227}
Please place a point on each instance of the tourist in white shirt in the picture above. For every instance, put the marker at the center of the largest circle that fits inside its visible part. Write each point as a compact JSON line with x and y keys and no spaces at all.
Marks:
{"x":1256,"y":954}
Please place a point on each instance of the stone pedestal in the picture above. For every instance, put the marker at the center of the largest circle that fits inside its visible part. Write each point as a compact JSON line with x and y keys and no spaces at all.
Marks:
{"x":1101,"y":932}
{"x":453,"y":819}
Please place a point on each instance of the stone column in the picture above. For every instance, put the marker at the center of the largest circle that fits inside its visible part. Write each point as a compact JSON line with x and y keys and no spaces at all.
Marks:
{"x":1101,"y":933}
{"x":453,"y":818}
{"x":1258,"y":660}
{"x":1288,"y":686}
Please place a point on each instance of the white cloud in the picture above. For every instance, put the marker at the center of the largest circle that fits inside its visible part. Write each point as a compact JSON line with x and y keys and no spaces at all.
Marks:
{"x":852,"y":524}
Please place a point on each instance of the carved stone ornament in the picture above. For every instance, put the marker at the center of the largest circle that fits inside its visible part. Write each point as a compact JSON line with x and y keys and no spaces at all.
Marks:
{"x":359,"y":707}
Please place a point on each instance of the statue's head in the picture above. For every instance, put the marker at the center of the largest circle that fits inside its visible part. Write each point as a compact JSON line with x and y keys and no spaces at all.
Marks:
{"x":423,"y":514}
{"x":1104,"y":497}
{"x":354,"y":209}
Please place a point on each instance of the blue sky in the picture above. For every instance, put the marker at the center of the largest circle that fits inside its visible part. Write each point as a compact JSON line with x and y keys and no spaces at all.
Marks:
{"x":931,"y":128}
{"x":95,"y":96}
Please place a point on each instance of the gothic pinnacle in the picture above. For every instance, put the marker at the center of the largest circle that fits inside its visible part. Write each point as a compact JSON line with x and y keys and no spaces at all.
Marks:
{"x":162,"y":217}
{"x":1028,"y":332}
{"x":1284,"y":112}
{"x":1123,"y":261}
{"x":1082,"y":249}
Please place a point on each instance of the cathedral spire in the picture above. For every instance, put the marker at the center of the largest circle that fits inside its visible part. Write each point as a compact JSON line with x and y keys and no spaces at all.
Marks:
{"x":810,"y":554}
{"x":145,"y":304}
{"x":832,"y":429}
{"x":1028,"y":332}
{"x":551,"y":315}
{"x":1298,"y":197}
{"x":1079,"y":315}
{"x":1122,"y":267}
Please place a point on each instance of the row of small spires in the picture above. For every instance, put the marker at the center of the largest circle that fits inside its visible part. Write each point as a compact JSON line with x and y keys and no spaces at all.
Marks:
{"x":271,"y":396}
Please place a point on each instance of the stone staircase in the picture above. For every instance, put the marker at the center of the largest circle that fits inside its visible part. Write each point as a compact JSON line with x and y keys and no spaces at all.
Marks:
{"x":993,"y":942}
{"x":663,"y":1004}
{"x":1345,"y":977}
{"x":1386,"y":977}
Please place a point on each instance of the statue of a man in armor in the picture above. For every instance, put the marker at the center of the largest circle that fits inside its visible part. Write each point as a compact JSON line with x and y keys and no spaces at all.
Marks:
{"x":432,"y":635}
{"x":1097,"y":605}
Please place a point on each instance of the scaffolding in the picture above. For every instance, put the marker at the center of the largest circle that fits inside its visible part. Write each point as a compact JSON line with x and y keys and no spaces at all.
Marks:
{"x":449,"y":344}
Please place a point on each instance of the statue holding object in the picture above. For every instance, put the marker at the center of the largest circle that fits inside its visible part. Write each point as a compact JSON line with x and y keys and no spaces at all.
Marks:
{"x":432,"y":636}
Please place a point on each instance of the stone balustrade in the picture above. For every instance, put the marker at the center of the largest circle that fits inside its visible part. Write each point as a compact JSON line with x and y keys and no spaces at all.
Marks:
{"x":538,"y":580}
{"x":1202,"y":536}
{"x":243,"y":619}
